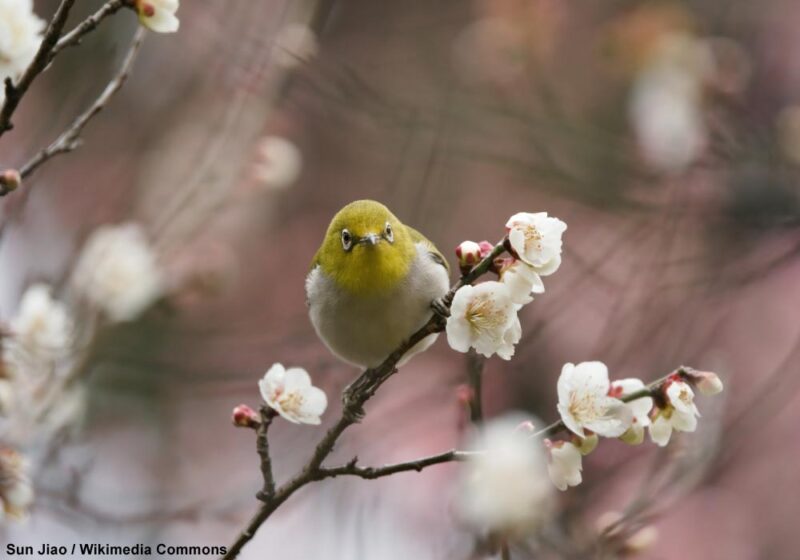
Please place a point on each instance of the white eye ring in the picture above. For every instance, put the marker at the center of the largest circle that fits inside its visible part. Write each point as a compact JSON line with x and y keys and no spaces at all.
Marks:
{"x":347,"y":240}
{"x":389,"y":233}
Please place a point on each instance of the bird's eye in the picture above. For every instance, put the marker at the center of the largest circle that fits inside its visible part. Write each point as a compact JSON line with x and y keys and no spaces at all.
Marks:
{"x":347,"y":240}
{"x":389,"y":233}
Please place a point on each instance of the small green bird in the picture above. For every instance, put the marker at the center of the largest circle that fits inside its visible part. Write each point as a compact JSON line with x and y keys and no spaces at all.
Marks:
{"x":372,"y":283}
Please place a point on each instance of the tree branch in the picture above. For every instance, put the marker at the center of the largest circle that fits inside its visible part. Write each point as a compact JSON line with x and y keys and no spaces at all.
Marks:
{"x":354,"y":398}
{"x":262,"y":446}
{"x":88,"y":25}
{"x":14,"y":92}
{"x":70,"y":138}
{"x":371,"y":473}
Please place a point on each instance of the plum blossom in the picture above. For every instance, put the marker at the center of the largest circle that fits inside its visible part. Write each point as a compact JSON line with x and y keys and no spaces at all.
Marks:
{"x":16,"y":492}
{"x":484,"y":317}
{"x":20,"y":37}
{"x":117,"y":272}
{"x":536,"y":239}
{"x":583,"y":401}
{"x":290,"y":393}
{"x":42,"y":327}
{"x":640,"y":408}
{"x":679,"y":414}
{"x":707,"y":382}
{"x":158,"y":15}
{"x":522,"y":281}
{"x":565,"y":464}
{"x":280,"y":162}
{"x":502,"y":488}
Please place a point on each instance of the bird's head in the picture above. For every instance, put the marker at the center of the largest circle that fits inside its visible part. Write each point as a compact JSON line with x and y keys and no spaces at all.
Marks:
{"x":366,"y":249}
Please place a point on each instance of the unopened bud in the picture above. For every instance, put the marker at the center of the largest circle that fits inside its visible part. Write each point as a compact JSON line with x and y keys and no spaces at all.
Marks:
{"x":464,"y":394}
{"x":486,"y":248}
{"x":468,"y":254}
{"x":245,"y":417}
{"x":525,"y":427}
{"x":10,"y":180}
{"x":707,"y":382}
{"x":587,"y":444}
{"x":641,"y":540}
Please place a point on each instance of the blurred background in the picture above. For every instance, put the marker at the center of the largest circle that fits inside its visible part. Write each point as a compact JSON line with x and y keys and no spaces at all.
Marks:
{"x":665,"y":134}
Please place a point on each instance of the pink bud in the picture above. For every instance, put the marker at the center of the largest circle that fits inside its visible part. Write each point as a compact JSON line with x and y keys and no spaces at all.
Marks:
{"x":525,"y":427}
{"x":486,"y":248}
{"x":469,"y":254}
{"x":464,"y":394}
{"x":10,"y":180}
{"x":707,"y":382}
{"x":245,"y":417}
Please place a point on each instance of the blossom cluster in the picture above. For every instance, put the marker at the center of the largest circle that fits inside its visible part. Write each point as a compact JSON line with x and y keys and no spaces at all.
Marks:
{"x":590,"y":406}
{"x":20,"y":37}
{"x":484,"y":316}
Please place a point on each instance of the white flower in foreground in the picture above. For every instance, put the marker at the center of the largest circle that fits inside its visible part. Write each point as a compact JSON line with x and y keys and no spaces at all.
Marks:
{"x":680,"y":414}
{"x":640,"y":408}
{"x":42,"y":326}
{"x":485,"y":318}
{"x":296,"y":43}
{"x":159,"y":15}
{"x":117,"y":272}
{"x":290,"y":393}
{"x":280,"y":162}
{"x":522,"y":281}
{"x":16,"y":493}
{"x":20,"y":37}
{"x":503,"y":488}
{"x":565,"y":464}
{"x":536,"y":239}
{"x":583,"y":401}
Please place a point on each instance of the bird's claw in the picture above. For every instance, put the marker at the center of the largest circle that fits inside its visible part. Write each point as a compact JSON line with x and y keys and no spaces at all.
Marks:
{"x":440,"y":309}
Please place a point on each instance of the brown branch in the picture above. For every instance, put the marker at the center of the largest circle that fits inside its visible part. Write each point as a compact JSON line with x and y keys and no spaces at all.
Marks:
{"x":475,"y":373}
{"x":354,"y":398}
{"x":262,"y":446}
{"x":69,"y":140}
{"x":371,"y":473}
{"x":88,"y":25}
{"x":14,"y":92}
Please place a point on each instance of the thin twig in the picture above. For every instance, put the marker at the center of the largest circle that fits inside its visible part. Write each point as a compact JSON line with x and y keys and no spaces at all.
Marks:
{"x":14,"y":92}
{"x":88,"y":25}
{"x":475,"y":374}
{"x":262,"y":446}
{"x":371,"y":473}
{"x":70,"y":138}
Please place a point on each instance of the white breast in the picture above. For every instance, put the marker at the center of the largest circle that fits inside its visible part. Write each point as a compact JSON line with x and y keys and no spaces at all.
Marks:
{"x":364,"y":331}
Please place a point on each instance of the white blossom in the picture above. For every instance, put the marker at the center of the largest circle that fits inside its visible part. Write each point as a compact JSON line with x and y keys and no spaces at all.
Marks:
{"x":565,"y":464}
{"x":159,"y":15}
{"x":485,"y":318}
{"x":640,"y":408}
{"x":502,"y":487}
{"x":666,"y":103}
{"x":20,"y":37}
{"x":290,"y":393}
{"x":583,"y":401}
{"x":42,"y":327}
{"x":536,"y":239}
{"x":296,"y":43}
{"x":16,"y":492}
{"x":680,"y":413}
{"x":279,"y":163}
{"x":522,"y":281}
{"x":117,"y":272}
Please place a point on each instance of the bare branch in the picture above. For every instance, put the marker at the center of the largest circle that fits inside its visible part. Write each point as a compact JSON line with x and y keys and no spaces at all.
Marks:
{"x":70,"y":138}
{"x":262,"y":446}
{"x":14,"y":92}
{"x":88,"y":25}
{"x":371,"y":473}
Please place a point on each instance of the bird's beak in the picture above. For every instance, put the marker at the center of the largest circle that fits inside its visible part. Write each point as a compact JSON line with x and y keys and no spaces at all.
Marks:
{"x":370,"y":239}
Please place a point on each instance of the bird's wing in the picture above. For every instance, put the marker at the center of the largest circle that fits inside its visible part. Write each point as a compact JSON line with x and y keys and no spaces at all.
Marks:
{"x":435,"y":254}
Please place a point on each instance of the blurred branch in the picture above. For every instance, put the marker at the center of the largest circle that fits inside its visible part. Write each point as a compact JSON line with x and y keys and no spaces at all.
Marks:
{"x":88,"y":25}
{"x":475,"y":365}
{"x":69,"y":140}
{"x":354,"y":398}
{"x":14,"y":92}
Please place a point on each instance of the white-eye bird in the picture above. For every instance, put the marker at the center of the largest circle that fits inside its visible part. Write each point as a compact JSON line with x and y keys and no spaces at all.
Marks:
{"x":372,"y":283}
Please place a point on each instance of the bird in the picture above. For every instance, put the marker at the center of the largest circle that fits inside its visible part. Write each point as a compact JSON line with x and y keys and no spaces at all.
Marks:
{"x":373,"y":282}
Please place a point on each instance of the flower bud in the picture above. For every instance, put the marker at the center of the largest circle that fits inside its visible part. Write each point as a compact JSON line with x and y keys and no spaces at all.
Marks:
{"x":586,"y":445}
{"x":468,"y":254}
{"x":245,"y":417}
{"x":464,"y":394}
{"x":486,"y":248}
{"x":10,"y":180}
{"x":707,"y":382}
{"x":526,"y":427}
{"x":641,"y":540}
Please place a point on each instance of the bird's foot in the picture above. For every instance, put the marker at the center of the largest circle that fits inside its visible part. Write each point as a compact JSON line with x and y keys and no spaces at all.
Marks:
{"x":441,"y":308}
